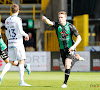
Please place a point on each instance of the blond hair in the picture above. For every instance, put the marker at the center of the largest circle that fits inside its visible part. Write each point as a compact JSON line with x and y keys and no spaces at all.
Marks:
{"x":14,"y":8}
{"x":63,"y":12}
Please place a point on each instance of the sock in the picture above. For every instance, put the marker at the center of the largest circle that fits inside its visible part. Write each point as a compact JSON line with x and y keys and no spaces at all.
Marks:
{"x":21,"y":72}
{"x":67,"y":73}
{"x":6,"y":68}
{"x":25,"y":65}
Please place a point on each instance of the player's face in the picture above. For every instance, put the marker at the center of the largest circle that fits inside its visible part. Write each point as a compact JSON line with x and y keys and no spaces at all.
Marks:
{"x":62,"y":18}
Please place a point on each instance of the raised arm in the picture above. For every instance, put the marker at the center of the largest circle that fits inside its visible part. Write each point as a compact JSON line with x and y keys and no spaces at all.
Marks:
{"x":47,"y":21}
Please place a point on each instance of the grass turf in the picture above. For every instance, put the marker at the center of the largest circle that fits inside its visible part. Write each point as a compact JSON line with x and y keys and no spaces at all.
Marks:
{"x":52,"y":81}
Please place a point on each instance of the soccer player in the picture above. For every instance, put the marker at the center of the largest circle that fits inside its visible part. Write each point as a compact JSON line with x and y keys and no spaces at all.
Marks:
{"x":64,"y":31}
{"x":14,"y":34}
{"x":5,"y":57}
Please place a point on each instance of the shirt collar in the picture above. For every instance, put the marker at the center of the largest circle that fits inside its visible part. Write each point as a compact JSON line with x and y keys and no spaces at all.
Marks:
{"x":16,"y":14}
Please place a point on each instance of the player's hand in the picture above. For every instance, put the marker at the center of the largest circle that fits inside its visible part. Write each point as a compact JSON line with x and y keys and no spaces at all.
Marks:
{"x":72,"y":48}
{"x":26,"y":38}
{"x":43,"y":17}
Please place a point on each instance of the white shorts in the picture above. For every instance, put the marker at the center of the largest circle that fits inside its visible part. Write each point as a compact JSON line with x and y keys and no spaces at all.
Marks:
{"x":16,"y":53}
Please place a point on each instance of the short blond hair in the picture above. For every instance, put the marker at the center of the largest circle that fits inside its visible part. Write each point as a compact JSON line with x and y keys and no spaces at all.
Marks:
{"x":14,"y":8}
{"x":62,"y":12}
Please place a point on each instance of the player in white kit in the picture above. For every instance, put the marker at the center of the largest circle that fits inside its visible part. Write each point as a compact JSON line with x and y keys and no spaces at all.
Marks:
{"x":14,"y":34}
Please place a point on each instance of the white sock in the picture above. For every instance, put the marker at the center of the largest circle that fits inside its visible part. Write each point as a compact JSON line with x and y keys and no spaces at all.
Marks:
{"x":6,"y":68}
{"x":21,"y":72}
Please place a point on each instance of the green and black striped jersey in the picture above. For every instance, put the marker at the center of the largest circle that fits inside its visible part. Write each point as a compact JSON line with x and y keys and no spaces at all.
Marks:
{"x":2,"y":44}
{"x":64,"y":34}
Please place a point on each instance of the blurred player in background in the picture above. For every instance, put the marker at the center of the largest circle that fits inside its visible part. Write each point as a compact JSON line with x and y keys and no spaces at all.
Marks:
{"x":64,"y":31}
{"x":14,"y":34}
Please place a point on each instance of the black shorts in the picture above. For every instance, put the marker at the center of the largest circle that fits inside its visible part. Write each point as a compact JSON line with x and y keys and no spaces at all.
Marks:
{"x":4,"y":54}
{"x":66,"y":54}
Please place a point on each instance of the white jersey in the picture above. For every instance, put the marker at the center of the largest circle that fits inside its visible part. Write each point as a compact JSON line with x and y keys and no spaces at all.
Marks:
{"x":14,"y":32}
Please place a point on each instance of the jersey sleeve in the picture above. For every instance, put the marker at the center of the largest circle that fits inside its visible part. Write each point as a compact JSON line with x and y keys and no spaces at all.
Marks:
{"x":73,"y":30}
{"x":55,"y":24}
{"x":20,"y":28}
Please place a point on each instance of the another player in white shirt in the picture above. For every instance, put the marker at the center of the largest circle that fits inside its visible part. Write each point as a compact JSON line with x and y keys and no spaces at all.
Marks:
{"x":14,"y":34}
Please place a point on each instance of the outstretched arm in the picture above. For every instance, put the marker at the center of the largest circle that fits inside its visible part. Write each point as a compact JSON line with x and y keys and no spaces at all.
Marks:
{"x":47,"y":21}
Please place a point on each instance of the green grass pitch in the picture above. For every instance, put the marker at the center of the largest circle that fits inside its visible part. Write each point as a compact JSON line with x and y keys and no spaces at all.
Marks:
{"x":52,"y":81}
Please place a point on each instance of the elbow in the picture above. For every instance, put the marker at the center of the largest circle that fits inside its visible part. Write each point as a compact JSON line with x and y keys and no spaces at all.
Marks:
{"x":79,"y":37}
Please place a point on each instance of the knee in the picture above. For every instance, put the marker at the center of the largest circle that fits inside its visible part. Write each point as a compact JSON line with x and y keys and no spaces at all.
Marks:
{"x":6,"y":60}
{"x":67,"y":66}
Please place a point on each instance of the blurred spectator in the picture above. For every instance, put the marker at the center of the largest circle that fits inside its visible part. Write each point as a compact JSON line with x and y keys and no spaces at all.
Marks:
{"x":30,"y":45}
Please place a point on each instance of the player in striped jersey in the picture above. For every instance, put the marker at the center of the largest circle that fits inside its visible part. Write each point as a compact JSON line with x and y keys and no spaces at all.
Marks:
{"x":65,"y":31}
